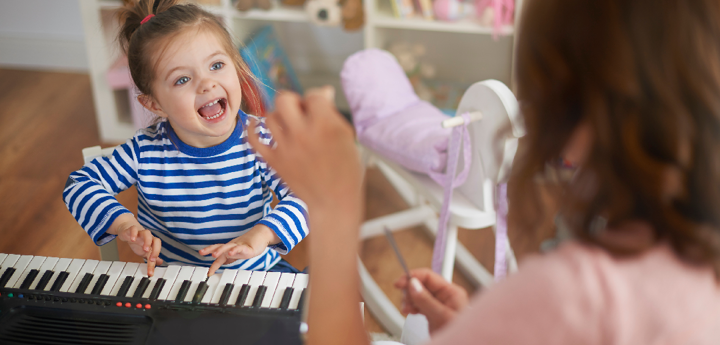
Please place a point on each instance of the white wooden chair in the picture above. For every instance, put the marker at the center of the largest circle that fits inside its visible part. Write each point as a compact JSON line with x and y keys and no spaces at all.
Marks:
{"x":472,"y":206}
{"x":109,"y":251}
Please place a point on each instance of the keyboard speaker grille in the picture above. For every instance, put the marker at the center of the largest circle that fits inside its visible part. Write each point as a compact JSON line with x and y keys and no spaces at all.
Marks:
{"x":50,"y":326}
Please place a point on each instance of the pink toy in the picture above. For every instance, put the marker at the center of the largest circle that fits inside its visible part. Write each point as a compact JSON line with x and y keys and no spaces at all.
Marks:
{"x":497,"y":12}
{"x":118,"y":78}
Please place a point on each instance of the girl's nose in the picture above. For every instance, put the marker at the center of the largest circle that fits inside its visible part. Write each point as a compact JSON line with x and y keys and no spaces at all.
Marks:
{"x":207,"y":85}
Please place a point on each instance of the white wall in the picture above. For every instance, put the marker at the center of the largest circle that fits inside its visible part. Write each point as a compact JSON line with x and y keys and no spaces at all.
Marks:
{"x":42,"y":34}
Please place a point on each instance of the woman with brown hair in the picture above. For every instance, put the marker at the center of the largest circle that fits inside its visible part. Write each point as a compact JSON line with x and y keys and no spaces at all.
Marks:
{"x":628,"y":91}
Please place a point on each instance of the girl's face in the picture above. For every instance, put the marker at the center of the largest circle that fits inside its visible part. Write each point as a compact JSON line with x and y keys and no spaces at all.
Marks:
{"x":197,"y":88}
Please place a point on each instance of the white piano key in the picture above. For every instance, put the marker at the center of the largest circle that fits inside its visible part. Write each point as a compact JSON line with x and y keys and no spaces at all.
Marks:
{"x":300,"y":283}
{"x":88,"y":267}
{"x":271,"y":281}
{"x":76,"y":266}
{"x":256,"y":279}
{"x":101,"y":268}
{"x":9,"y":262}
{"x":286,"y":281}
{"x":128,"y":271}
{"x":228,"y":277}
{"x":170,"y":277}
{"x":2,"y":258}
{"x":159,"y":272}
{"x":34,"y":264}
{"x":242,"y":277}
{"x":61,"y":266}
{"x":48,"y":265}
{"x":19,"y":266}
{"x":212,"y":283}
{"x":113,"y":273}
{"x":139,"y":275}
{"x":185,"y":274}
{"x":199,"y":275}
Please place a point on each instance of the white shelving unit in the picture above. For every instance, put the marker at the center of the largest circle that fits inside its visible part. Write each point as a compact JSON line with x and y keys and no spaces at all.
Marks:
{"x":461,"y":51}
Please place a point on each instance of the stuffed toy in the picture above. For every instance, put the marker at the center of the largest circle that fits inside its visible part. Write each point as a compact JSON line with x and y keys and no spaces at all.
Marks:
{"x":333,"y":12}
{"x":246,"y":5}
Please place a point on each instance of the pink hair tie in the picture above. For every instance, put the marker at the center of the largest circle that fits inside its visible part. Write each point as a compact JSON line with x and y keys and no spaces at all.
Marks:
{"x":146,"y":19}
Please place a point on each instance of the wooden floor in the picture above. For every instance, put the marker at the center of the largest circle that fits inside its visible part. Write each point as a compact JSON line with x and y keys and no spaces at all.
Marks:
{"x":46,"y":118}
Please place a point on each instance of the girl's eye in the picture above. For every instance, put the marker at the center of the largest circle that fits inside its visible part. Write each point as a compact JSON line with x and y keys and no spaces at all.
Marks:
{"x":182,"y":80}
{"x":217,"y":65}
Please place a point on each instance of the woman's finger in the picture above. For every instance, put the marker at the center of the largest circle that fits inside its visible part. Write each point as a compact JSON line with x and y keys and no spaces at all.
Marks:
{"x":289,"y":112}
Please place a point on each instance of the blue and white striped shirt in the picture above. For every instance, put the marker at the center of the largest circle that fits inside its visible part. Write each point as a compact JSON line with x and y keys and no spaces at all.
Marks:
{"x":189,"y":197}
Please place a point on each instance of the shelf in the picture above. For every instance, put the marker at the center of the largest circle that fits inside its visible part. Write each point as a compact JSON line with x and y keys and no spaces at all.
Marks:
{"x":383,"y":20}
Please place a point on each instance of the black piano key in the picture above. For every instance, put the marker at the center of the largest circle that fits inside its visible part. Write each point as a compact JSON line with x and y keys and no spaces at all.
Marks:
{"x":29,"y":279}
{"x":301,"y":302}
{"x":183,"y":291}
{"x":287,"y":295}
{"x":6,"y":276}
{"x":157,"y":288}
{"x":125,"y":286}
{"x":142,"y":286}
{"x":259,"y":296}
{"x":225,"y":296}
{"x":200,"y":292}
{"x":100,"y":284}
{"x":44,"y":280}
{"x":62,"y":276}
{"x":242,"y":296}
{"x":84,"y":283}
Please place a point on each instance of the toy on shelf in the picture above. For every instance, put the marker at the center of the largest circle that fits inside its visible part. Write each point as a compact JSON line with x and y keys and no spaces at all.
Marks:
{"x":246,"y":5}
{"x":119,"y":79}
{"x":453,"y":10}
{"x":333,"y":12}
{"x":495,"y":13}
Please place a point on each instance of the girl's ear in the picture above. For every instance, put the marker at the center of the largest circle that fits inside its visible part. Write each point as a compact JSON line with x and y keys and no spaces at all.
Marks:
{"x":151,"y":104}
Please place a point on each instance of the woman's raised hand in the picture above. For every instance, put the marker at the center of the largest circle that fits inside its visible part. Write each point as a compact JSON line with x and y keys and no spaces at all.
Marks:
{"x":428,"y":293}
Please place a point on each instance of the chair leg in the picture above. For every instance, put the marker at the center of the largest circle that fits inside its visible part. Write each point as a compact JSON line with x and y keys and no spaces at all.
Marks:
{"x":379,"y":305}
{"x":449,"y":255}
{"x":109,"y":251}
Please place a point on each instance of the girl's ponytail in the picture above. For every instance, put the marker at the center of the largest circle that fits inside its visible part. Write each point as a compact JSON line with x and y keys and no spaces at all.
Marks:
{"x":132,"y":14}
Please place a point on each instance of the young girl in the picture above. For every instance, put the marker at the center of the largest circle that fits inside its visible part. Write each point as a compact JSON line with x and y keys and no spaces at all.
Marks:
{"x":202,"y":189}
{"x":628,"y":91}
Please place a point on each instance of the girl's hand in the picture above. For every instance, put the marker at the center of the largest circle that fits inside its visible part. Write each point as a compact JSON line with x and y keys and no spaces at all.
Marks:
{"x":245,"y":246}
{"x":142,"y":243}
{"x":430,"y":294}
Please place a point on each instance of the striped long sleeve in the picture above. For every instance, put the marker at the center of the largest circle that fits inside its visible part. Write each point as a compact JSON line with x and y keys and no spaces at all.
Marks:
{"x":189,"y":197}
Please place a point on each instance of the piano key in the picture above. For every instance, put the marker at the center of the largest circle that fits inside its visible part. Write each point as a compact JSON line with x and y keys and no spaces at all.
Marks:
{"x":114,"y":272}
{"x":159,"y":284}
{"x":242,"y":277}
{"x":60,"y":281}
{"x":44,"y":272}
{"x":199,"y":275}
{"x":300,"y":283}
{"x":184,"y":274}
{"x":159,"y":273}
{"x":256,"y":280}
{"x":227,"y":277}
{"x":301,"y":301}
{"x":127,"y":271}
{"x":184,"y":287}
{"x":242,"y":295}
{"x":271,"y":281}
{"x":6,"y":276}
{"x":212,"y":283}
{"x":60,"y":267}
{"x":142,"y":286}
{"x":286,"y":280}
{"x":87,"y":267}
{"x":2,"y":258}
{"x":169,"y":277}
{"x":125,"y":286}
{"x":9,"y":262}
{"x":19,"y":267}
{"x":139,"y":275}
{"x":75,"y":266}
{"x":200,"y":292}
{"x":225,"y":295}
{"x":285,"y":302}
{"x":44,"y":280}
{"x":100,"y":271}
{"x":32,"y":267}
{"x":259,"y":296}
{"x":84,"y":282}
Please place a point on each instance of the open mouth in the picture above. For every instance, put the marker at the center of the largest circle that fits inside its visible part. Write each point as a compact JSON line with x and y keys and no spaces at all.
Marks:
{"x":213,"y":110}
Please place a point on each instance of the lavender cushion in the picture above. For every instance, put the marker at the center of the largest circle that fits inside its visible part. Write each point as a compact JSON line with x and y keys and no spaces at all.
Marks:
{"x":389,"y":117}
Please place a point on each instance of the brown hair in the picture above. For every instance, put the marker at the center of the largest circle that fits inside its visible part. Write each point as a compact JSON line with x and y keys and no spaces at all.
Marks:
{"x":644,"y":76}
{"x":139,"y":41}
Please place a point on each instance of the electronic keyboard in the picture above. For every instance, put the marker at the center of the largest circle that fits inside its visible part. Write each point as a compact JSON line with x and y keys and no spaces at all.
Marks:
{"x":48,"y":300}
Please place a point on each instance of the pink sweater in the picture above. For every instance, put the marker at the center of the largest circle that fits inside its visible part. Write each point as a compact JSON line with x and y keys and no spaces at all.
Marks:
{"x":581,"y":295}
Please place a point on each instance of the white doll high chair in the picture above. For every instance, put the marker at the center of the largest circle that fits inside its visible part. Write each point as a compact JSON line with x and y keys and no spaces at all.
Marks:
{"x":385,"y":109}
